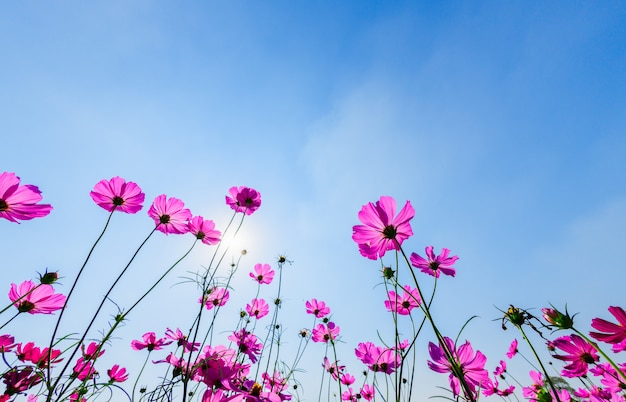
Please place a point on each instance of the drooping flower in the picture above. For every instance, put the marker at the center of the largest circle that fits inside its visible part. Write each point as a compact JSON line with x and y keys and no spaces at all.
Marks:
{"x":204,"y":230}
{"x":258,"y":308}
{"x":263,"y":273}
{"x":243,"y":199}
{"x":580,"y":354}
{"x":435,"y":265}
{"x":403,"y":304}
{"x":117,"y":374}
{"x":20,"y":202}
{"x":512,"y":349}
{"x":149,"y":342}
{"x":118,"y":195}
{"x":466,"y":364}
{"x":317,"y":308}
{"x":170,"y":215}
{"x":325,"y":333}
{"x":610,"y":332}
{"x":35,"y":299}
{"x":382,"y":230}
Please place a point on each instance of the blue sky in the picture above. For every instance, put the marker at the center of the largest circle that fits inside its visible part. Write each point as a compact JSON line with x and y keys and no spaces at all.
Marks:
{"x":503,"y":123}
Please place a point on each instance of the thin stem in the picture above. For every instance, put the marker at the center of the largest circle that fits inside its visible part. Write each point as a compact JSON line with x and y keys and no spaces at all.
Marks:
{"x":545,"y":372}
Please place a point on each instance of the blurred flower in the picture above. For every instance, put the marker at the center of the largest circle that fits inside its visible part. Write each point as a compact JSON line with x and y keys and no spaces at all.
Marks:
{"x":17,"y":381}
{"x":243,"y":199}
{"x":35,"y":299}
{"x":435,"y":265}
{"x":333,"y":368}
{"x":367,"y":392}
{"x":204,"y":230}
{"x":470,"y":365}
{"x":170,"y":215}
{"x":118,"y":195}
{"x":84,"y":369}
{"x":611,"y":332}
{"x":382,"y":230}
{"x":6,"y":343}
{"x":263,"y":273}
{"x":20,"y":202}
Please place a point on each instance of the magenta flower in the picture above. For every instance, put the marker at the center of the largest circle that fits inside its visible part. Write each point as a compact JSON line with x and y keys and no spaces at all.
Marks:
{"x":7,"y":342}
{"x":258,"y":308}
{"x":579,"y":353}
{"x":18,"y":381}
{"x":512,"y":349}
{"x":170,"y":215}
{"x":84,"y":369}
{"x":20,"y":202}
{"x":247,"y":343}
{"x":181,"y":339}
{"x":118,"y":195}
{"x":435,"y":265}
{"x":89,"y":353}
{"x":367,"y":392}
{"x":243,"y":199}
{"x":377,"y":358}
{"x":317,"y":308}
{"x":204,"y":230}
{"x":382,"y":230}
{"x":325,"y":333}
{"x":263,"y":273}
{"x":470,"y":365}
{"x":333,"y":368}
{"x":117,"y":374}
{"x":403,"y":305}
{"x":149,"y":342}
{"x":611,"y":332}
{"x":275,"y":383}
{"x":215,"y":297}
{"x":35,"y":299}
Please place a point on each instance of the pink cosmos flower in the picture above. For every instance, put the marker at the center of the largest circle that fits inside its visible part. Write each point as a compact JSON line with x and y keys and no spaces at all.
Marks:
{"x":347,"y":379}
{"x":275,"y":383}
{"x":325,"y":333}
{"x":89,"y":353}
{"x":42,"y":358}
{"x":382,"y":230}
{"x":6,"y":343}
{"x":35,"y":299}
{"x":403,"y":305}
{"x":243,"y":199}
{"x":317,"y":308}
{"x":117,"y":374}
{"x":118,"y":195}
{"x":170,"y":215}
{"x":20,"y":202}
{"x":367,"y":392}
{"x":258,"y":308}
{"x":181,"y":339}
{"x":472,"y":366}
{"x":512,"y":349}
{"x":149,"y":342}
{"x":611,"y":332}
{"x":204,"y":230}
{"x":377,"y":358}
{"x":611,"y":379}
{"x":435,"y":265}
{"x":247,"y":343}
{"x":18,"y":381}
{"x":333,"y":368}
{"x":501,"y":369}
{"x":215,"y":297}
{"x":349,"y":395}
{"x":580,"y":355}
{"x":84,"y":370}
{"x":263,"y":273}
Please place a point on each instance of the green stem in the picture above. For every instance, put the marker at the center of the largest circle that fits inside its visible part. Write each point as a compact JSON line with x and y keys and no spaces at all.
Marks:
{"x":545,"y":372}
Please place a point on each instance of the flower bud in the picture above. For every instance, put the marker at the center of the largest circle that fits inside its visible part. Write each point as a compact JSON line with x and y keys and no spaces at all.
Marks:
{"x":48,"y":278}
{"x":558,"y":319}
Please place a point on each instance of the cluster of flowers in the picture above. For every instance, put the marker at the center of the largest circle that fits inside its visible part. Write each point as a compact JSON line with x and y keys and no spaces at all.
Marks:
{"x":225,"y":373}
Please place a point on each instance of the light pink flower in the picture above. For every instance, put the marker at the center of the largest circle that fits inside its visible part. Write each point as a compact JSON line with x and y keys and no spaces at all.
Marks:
{"x":117,"y":374}
{"x":317,"y":308}
{"x":149,"y":342}
{"x":35,"y":299}
{"x":204,"y":230}
{"x":243,"y":199}
{"x":20,"y":202}
{"x":263,"y":273}
{"x":258,"y":308}
{"x":472,"y":365}
{"x":382,"y":230}
{"x":367,"y":392}
{"x":170,"y":215}
{"x":403,"y":304}
{"x":435,"y":265}
{"x":118,"y":195}
{"x":325,"y":333}
{"x":611,"y":332}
